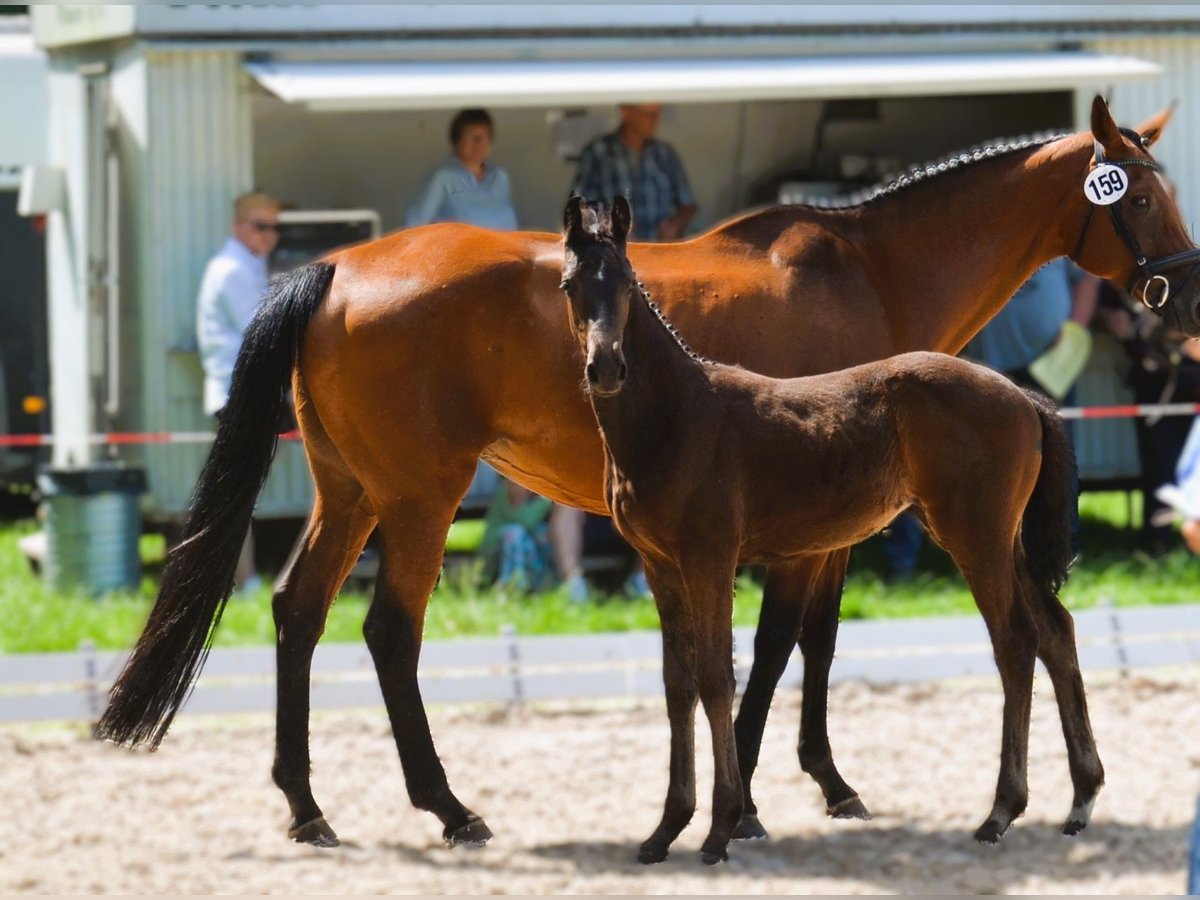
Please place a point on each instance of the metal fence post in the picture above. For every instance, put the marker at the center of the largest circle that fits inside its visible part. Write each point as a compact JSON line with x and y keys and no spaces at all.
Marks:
{"x":1115,"y":623}
{"x":90,"y":677}
{"x":509,"y":633}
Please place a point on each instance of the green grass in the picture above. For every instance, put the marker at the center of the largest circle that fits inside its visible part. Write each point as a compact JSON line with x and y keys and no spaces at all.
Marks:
{"x":35,"y":618}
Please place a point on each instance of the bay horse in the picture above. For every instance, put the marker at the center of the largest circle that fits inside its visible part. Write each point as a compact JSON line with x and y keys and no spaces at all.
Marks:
{"x":710,"y":465}
{"x":414,"y":355}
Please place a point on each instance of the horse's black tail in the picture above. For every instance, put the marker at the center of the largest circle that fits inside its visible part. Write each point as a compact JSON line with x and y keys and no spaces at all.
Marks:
{"x":1047,"y":522}
{"x":200,"y":571}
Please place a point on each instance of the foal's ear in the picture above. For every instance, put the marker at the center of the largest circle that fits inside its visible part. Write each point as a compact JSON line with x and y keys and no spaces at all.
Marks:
{"x":1151,"y":130}
{"x":622,"y":218}
{"x":1105,"y":130}
{"x":573,"y":216}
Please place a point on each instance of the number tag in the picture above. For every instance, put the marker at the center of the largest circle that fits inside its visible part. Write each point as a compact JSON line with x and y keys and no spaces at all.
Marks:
{"x":1105,"y":184}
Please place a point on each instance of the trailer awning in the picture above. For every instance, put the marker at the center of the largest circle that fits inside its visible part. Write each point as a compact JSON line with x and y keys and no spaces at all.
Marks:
{"x":347,"y":86}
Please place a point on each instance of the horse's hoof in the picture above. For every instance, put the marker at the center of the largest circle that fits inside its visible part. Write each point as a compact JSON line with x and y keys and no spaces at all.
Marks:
{"x":316,"y":832}
{"x":850,"y":808}
{"x":990,"y":832}
{"x":1079,"y":818}
{"x":474,"y":834}
{"x":649,"y":856}
{"x":749,"y":829}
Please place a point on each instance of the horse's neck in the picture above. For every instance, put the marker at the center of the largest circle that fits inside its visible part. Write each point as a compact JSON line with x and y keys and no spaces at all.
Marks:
{"x":944,"y":257}
{"x":642,"y":418}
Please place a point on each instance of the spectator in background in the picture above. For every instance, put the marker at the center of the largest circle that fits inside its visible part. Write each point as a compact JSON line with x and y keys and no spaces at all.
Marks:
{"x":631,"y":161}
{"x":515,"y":546}
{"x":465,"y":187}
{"x":232,"y":288}
{"x":1047,"y":315}
{"x":1164,"y":368}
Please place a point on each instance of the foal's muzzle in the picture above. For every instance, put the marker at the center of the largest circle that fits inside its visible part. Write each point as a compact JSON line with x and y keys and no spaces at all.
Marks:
{"x":606,"y":371}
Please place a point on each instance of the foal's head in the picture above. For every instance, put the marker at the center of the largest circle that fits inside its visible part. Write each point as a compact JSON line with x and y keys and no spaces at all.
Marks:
{"x":599,"y":283}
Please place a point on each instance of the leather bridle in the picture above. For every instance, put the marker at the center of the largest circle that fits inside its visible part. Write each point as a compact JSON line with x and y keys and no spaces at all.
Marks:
{"x":1149,"y":271}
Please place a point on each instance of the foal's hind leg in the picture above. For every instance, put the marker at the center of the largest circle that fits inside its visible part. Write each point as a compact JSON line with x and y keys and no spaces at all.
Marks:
{"x":987,"y":564}
{"x":818,"y":637}
{"x":413,"y":538}
{"x":319,"y":564}
{"x":1056,"y":649}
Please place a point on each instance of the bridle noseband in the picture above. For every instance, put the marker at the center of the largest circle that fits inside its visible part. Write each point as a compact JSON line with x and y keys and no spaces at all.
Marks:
{"x":1149,"y":271}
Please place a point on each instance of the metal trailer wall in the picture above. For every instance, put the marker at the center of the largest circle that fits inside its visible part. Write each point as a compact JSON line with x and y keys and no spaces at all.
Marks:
{"x":1179,"y":149}
{"x":185,"y":159}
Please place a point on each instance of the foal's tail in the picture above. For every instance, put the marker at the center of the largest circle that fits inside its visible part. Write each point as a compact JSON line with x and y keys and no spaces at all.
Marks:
{"x":200,"y":571}
{"x":1046,"y":524}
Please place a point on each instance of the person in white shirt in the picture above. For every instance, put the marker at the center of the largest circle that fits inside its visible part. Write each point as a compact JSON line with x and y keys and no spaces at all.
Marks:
{"x":233,"y":285}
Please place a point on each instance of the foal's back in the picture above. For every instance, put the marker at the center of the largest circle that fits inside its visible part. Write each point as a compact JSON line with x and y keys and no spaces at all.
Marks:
{"x":812,"y":464}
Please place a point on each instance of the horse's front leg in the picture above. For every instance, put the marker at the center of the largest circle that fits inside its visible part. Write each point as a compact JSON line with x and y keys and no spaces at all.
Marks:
{"x":679,"y":681}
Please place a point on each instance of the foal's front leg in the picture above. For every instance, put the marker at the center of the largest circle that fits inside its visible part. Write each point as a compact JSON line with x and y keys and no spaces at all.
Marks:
{"x":679,"y":680}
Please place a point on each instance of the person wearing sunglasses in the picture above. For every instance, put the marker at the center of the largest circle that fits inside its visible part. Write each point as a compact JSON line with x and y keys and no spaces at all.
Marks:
{"x":232,"y":287}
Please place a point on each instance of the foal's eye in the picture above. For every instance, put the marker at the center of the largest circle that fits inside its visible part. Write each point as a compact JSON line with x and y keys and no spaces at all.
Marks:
{"x":1141,"y":202}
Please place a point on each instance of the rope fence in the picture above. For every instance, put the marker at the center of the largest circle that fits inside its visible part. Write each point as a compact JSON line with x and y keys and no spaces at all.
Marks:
{"x":128,"y":438}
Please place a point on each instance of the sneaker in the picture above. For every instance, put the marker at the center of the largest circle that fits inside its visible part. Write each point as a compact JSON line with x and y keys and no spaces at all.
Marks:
{"x":577,"y":589}
{"x":637,"y":586}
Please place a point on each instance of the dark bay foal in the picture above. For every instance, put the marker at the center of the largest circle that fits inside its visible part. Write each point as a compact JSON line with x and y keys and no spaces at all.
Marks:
{"x":708,"y":465}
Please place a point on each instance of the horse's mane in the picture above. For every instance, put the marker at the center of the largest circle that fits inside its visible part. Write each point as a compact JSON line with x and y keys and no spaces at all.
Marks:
{"x":923,"y":173}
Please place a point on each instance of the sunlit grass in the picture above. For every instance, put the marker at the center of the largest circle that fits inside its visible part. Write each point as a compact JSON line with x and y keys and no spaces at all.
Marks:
{"x":35,"y":618}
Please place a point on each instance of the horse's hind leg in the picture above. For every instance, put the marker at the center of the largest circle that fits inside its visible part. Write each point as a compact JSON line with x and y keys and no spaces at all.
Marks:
{"x":818,"y":637}
{"x":1056,"y":649}
{"x":319,"y":564}
{"x":413,"y":541}
{"x":785,"y":594}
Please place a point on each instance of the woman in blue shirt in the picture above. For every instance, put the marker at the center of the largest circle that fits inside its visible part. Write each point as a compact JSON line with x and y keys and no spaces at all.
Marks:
{"x":466,"y":188}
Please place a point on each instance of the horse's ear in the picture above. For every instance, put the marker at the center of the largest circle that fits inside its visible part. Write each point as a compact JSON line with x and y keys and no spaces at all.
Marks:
{"x":1104,"y":129}
{"x":573,"y":216}
{"x":622,"y":218}
{"x":1151,"y":130}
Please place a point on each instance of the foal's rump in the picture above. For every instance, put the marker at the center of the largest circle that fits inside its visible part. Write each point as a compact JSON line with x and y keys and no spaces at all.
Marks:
{"x":986,"y":456}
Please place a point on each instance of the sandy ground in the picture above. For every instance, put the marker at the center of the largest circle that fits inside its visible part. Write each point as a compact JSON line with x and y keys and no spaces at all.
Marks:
{"x":570,"y":791}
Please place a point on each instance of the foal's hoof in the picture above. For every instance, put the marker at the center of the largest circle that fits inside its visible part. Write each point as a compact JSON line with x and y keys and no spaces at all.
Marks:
{"x":474,"y":834}
{"x":749,"y":829}
{"x":991,"y":831}
{"x":649,"y":856}
{"x":712,"y":857}
{"x":1079,"y":818}
{"x":316,"y":832}
{"x":850,"y":808}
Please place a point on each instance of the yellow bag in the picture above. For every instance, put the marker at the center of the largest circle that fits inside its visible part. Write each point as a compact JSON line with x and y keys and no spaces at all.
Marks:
{"x":1060,"y":366}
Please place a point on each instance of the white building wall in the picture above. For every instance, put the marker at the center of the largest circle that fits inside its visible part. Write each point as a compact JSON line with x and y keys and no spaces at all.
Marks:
{"x":196,"y":157}
{"x":1131,"y":104}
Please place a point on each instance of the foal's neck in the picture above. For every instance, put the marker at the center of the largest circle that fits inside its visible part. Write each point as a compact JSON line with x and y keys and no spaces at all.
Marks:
{"x":664,"y":380}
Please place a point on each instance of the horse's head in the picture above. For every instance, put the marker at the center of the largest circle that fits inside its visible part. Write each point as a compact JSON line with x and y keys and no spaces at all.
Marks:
{"x":599,"y":283}
{"x":1133,"y":233}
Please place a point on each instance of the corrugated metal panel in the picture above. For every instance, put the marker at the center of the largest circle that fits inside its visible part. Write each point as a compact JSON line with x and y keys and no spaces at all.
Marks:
{"x":198,"y":158}
{"x":1132,"y":103}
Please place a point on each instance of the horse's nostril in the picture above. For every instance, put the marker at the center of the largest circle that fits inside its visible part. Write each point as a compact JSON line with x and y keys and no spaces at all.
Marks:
{"x":591,"y":373}
{"x":622,"y":372}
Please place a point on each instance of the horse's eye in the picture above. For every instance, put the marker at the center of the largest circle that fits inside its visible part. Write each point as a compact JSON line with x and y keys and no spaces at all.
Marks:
{"x":1141,"y":202}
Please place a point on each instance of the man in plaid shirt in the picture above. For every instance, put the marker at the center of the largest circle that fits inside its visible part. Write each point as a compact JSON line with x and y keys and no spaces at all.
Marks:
{"x":647,"y":171}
